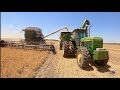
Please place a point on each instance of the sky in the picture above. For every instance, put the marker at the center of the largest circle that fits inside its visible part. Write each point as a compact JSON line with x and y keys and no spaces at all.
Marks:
{"x":104,"y":24}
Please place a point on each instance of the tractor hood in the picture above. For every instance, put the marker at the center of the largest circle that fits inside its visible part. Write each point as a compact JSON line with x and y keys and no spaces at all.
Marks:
{"x":91,"y":38}
{"x":92,"y":42}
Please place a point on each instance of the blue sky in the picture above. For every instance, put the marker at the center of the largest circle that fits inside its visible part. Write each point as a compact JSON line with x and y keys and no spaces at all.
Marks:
{"x":104,"y":24}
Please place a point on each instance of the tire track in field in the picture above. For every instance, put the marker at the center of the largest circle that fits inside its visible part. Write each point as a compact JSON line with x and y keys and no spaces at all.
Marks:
{"x":56,"y":66}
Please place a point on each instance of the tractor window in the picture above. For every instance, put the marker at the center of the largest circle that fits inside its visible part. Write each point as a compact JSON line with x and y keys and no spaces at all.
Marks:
{"x":82,"y":35}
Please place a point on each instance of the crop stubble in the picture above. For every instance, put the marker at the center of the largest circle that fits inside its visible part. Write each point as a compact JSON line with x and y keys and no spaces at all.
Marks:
{"x":17,"y":63}
{"x":24,"y":63}
{"x":56,"y":66}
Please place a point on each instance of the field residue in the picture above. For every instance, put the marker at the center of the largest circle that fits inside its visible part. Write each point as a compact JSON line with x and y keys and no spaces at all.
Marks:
{"x":17,"y":63}
{"x":56,"y":66}
{"x":29,"y":63}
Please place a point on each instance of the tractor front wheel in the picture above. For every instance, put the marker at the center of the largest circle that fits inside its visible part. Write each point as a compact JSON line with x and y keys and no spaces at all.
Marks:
{"x":83,"y":57}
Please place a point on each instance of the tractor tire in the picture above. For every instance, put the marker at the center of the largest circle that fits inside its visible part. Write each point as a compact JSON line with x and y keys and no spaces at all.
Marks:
{"x":65,"y":53}
{"x":101,"y":62}
{"x":83,"y":57}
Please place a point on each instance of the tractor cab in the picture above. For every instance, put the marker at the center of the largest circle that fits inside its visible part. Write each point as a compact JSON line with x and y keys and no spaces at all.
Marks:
{"x":78,"y":34}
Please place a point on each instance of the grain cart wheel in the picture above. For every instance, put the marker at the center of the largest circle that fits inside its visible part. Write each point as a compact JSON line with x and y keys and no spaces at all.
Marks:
{"x":83,"y":57}
{"x":66,"y":49}
{"x":61,"y":45}
{"x":72,"y":48}
{"x":101,"y":62}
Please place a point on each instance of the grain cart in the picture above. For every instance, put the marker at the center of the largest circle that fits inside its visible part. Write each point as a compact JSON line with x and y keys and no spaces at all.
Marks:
{"x":64,"y":36}
{"x":84,"y":47}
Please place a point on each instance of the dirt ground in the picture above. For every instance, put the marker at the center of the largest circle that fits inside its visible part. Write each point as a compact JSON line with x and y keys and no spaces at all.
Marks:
{"x":56,"y":66}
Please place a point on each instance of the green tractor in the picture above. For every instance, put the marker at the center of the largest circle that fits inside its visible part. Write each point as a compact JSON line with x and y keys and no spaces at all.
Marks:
{"x":79,"y":44}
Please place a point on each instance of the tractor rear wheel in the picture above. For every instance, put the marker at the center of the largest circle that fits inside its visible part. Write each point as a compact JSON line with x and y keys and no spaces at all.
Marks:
{"x":101,"y":62}
{"x":65,"y":53}
{"x":83,"y":57}
{"x":72,"y":48}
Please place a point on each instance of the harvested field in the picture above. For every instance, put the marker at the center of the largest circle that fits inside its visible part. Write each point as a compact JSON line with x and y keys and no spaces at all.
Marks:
{"x":20,"y":63}
{"x":17,"y":63}
{"x":56,"y":66}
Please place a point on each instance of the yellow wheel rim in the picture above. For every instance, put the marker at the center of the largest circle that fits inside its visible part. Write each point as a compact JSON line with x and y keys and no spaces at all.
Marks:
{"x":79,"y":57}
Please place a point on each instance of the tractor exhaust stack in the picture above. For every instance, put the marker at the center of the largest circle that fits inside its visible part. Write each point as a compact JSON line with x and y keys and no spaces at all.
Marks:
{"x":88,"y":30}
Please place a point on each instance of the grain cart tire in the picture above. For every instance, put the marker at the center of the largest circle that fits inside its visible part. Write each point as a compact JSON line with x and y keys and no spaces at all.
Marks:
{"x":73,"y":48}
{"x":66,"y":49}
{"x":61,"y":45}
{"x":101,"y":62}
{"x":83,"y":58}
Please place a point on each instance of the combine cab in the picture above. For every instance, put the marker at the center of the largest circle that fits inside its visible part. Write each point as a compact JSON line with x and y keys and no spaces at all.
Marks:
{"x":33,"y":35}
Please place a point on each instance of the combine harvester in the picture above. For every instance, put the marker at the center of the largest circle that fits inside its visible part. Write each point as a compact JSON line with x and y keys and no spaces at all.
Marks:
{"x":34,"y":39}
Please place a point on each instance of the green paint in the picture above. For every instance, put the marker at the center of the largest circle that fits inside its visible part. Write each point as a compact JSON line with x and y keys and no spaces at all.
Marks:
{"x":92,"y":42}
{"x":100,"y":55}
{"x":65,"y":36}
